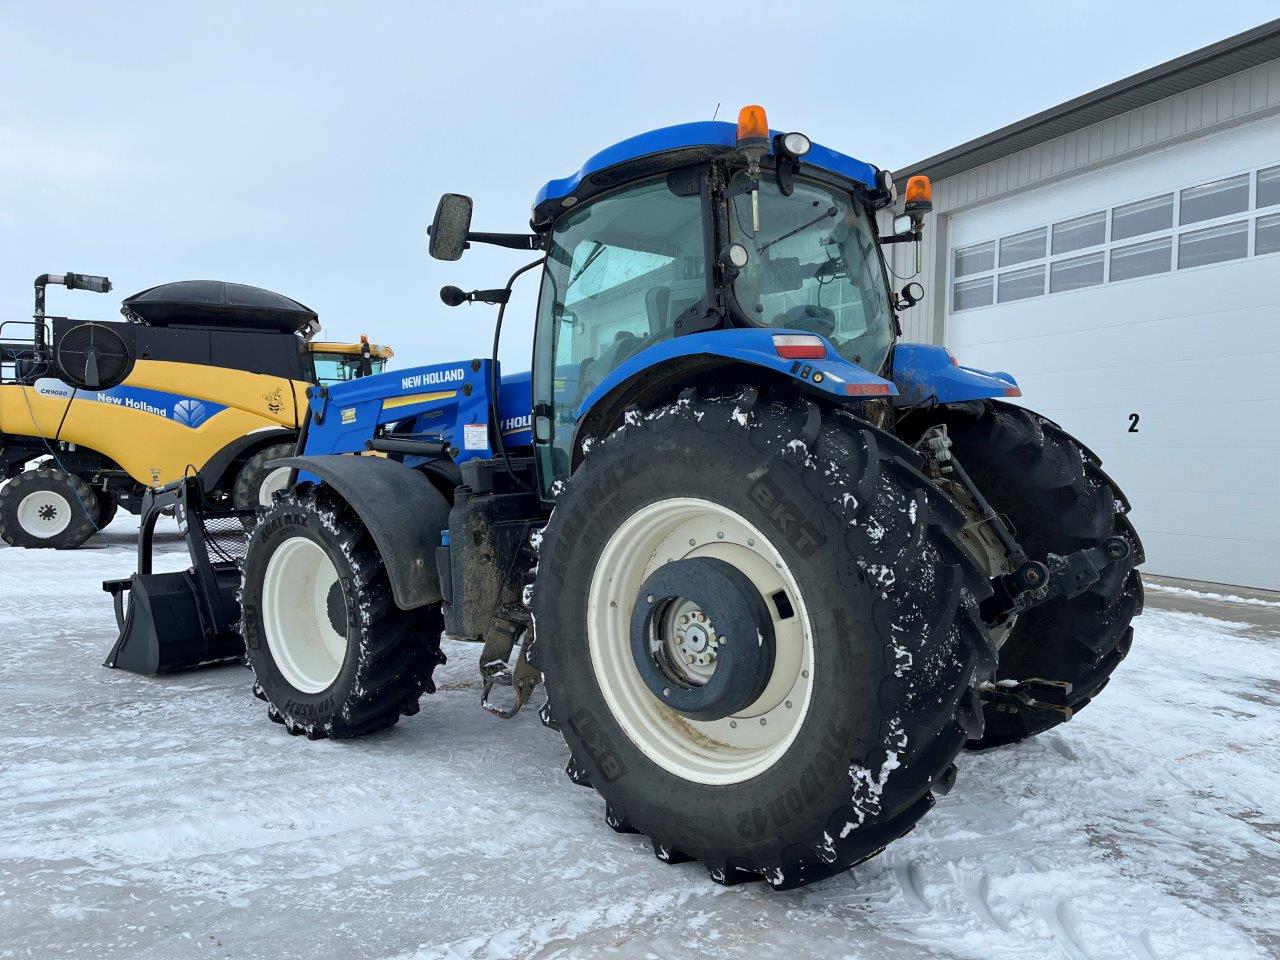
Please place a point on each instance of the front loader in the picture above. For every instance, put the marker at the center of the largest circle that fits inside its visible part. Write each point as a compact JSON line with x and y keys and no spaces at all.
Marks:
{"x":776,"y":567}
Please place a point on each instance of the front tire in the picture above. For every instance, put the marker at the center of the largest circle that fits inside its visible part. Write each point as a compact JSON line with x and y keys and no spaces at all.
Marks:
{"x":332,"y":654}
{"x":873,"y":609}
{"x":46,"y":508}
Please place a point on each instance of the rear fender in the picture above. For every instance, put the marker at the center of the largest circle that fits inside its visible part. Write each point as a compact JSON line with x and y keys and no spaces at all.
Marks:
{"x":404,"y":512}
{"x":924,"y":372}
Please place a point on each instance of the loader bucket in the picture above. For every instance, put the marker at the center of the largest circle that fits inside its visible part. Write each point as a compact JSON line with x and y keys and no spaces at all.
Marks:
{"x":185,"y":619}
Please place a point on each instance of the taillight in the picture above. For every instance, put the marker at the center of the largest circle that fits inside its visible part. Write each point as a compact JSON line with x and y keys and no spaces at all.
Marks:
{"x":799,"y":346}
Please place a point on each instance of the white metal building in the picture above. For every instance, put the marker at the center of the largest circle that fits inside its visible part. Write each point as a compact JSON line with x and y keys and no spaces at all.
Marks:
{"x":1120,"y":255}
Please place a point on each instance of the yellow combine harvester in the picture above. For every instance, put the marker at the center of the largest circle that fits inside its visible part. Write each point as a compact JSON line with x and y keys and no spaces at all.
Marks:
{"x":201,"y":377}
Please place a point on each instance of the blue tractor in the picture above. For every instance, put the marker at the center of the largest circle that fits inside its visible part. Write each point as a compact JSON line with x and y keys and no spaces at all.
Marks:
{"x":775,"y":567}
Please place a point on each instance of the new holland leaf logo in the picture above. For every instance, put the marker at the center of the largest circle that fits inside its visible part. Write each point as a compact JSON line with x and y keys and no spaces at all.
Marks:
{"x":190,"y":413}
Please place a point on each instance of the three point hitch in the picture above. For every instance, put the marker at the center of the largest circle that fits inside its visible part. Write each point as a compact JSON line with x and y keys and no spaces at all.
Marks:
{"x":1029,"y":582}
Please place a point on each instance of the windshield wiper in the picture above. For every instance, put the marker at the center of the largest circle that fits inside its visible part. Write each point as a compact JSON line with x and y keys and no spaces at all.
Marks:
{"x":591,"y":258}
{"x":831,"y":212}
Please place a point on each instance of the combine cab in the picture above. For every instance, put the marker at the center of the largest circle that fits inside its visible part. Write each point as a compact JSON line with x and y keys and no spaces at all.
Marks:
{"x":776,"y":566}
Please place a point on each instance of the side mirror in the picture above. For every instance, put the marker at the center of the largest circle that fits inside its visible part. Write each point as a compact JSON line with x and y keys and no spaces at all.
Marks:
{"x":450,"y":227}
{"x":912,"y":293}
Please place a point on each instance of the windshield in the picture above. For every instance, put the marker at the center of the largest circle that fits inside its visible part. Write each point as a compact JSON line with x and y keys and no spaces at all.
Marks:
{"x":814,"y":265}
{"x":334,"y":368}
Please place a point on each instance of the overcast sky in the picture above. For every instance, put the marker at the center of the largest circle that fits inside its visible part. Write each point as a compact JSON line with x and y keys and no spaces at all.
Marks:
{"x":302,"y":146}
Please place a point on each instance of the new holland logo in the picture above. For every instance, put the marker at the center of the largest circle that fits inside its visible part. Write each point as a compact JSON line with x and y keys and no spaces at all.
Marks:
{"x":190,"y":413}
{"x":517,"y":424}
{"x":433,"y":378}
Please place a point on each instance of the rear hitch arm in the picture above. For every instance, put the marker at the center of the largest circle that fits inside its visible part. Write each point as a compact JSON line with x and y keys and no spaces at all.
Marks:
{"x":1033,"y":698}
{"x":1030,"y":582}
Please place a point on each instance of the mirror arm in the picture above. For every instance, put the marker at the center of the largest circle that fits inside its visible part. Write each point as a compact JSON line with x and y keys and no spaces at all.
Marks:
{"x":900,"y":238}
{"x":515,"y":241}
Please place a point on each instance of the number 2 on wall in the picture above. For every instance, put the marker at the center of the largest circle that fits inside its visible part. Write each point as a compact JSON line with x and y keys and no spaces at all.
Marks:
{"x":1133,"y":423}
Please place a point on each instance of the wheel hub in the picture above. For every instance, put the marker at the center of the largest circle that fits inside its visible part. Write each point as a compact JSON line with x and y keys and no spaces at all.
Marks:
{"x":682,"y":658}
{"x":693,"y":639}
{"x":44,"y":513}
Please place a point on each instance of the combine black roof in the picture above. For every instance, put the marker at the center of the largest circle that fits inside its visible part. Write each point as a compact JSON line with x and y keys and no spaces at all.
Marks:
{"x":216,"y":303}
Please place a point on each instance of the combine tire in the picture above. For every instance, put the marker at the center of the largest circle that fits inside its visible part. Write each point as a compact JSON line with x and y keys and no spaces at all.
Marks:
{"x":1053,"y":491}
{"x":805,"y":558}
{"x":256,"y":483}
{"x":47,"y":508}
{"x":332,"y":654}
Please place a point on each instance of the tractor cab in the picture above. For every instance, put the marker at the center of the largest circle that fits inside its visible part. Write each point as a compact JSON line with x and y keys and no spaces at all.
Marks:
{"x":694,"y":229}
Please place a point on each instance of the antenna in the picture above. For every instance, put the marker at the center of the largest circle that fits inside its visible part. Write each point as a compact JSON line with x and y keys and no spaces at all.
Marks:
{"x":717,"y":110}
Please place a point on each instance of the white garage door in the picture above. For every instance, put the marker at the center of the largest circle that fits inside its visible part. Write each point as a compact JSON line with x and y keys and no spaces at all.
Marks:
{"x":1139,"y":306}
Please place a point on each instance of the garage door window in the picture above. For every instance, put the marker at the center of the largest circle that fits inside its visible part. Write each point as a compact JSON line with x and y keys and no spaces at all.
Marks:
{"x":971,"y":293}
{"x":1076,"y":273}
{"x":1022,"y":247}
{"x":1080,"y":233}
{"x":1267,"y":239}
{"x":1268,"y":187}
{"x":1142,"y":240}
{"x":1142,"y":259}
{"x":1212,"y":200}
{"x":1145,"y":216}
{"x":976,"y":259}
{"x":1229,"y":242}
{"x":1020,"y":284}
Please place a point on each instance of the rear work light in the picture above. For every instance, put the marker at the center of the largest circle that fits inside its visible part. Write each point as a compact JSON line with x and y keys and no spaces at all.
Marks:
{"x":799,"y":346}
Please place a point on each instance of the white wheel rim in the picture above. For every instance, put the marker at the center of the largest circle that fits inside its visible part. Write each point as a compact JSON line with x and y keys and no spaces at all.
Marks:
{"x":44,"y":513}
{"x":272,"y":483}
{"x":735,"y":748}
{"x":295,"y":615}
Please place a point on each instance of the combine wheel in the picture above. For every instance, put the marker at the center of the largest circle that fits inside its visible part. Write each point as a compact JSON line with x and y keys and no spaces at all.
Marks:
{"x":332,"y":653}
{"x":760,"y":635}
{"x":1054,"y":492}
{"x":256,"y":483}
{"x":47,"y":508}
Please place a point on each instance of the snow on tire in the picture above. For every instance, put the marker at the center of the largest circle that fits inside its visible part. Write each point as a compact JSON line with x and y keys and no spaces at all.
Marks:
{"x":887,"y":604}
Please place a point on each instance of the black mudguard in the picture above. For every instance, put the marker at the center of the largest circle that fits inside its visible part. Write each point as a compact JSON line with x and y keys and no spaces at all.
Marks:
{"x":403,"y":511}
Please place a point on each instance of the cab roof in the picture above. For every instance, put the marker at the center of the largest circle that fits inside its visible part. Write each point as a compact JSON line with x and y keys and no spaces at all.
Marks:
{"x":692,"y":142}
{"x":376,"y":350}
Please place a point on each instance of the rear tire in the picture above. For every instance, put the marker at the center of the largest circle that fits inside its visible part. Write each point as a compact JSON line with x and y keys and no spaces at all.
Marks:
{"x":1054,"y":492}
{"x":331,"y":652}
{"x":887,"y":603}
{"x":256,"y":482}
{"x":47,"y":509}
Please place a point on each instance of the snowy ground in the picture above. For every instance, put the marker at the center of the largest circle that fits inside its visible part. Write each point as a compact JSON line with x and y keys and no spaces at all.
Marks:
{"x":168,"y":818}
